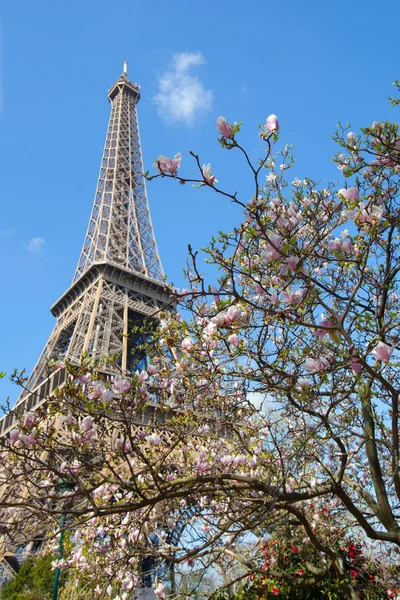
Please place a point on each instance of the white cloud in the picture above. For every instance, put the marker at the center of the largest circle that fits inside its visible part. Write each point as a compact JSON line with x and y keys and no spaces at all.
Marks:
{"x":182,"y":98}
{"x":35,"y":244}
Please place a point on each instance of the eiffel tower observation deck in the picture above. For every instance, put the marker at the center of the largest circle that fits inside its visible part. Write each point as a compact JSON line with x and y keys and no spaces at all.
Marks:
{"x":119,"y":278}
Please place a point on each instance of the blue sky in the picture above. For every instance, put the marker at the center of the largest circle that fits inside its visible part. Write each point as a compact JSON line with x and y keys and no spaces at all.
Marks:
{"x":312,"y":63}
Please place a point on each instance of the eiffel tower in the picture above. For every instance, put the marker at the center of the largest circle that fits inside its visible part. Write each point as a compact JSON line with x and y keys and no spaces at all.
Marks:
{"x":119,"y":278}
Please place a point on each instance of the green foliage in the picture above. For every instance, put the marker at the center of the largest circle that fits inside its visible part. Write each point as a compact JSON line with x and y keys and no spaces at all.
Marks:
{"x":34,"y":580}
{"x":75,"y":589}
{"x":328,"y":591}
{"x":289,"y":558}
{"x":395,"y":101}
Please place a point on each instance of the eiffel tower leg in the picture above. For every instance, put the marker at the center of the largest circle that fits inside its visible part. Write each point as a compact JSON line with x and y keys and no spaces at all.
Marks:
{"x":146,"y":592}
{"x":172,"y":578}
{"x":93,"y":315}
{"x":124,"y":361}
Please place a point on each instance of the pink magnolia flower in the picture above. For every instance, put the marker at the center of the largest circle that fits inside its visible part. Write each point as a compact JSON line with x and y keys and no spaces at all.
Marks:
{"x":210,"y":330}
{"x":272,"y":123}
{"x":334,"y":245}
{"x":259,"y":289}
{"x":84,"y":379}
{"x":347,"y":247}
{"x":273,"y":297}
{"x":394,"y":155}
{"x":154,"y":439}
{"x":168,"y":165}
{"x":355,"y":365}
{"x":351,"y":194}
{"x":187,"y":344}
{"x":240,"y":460}
{"x":233,"y":314}
{"x":371,"y":214}
{"x":87,"y":423}
{"x":315,"y":365}
{"x":122,"y":446}
{"x":143,"y":390}
{"x":226,"y":460}
{"x":76,"y":437}
{"x":96,"y":391}
{"x":294,"y":296}
{"x":133,"y":535}
{"x":202,"y":467}
{"x":327,"y":325}
{"x":120,"y":384}
{"x":208,"y":177}
{"x":57,"y":365}
{"x":216,"y":294}
{"x":32,"y":438}
{"x":69,"y":419}
{"x":159,"y":591}
{"x":274,"y":246}
{"x":107,"y":396}
{"x":224,"y":128}
{"x":292,"y":262}
{"x":304,"y":383}
{"x":234,"y":340}
{"x":383,"y":351}
{"x":220,"y":320}
{"x":30,"y":419}
{"x":143,"y":376}
{"x":14,"y":435}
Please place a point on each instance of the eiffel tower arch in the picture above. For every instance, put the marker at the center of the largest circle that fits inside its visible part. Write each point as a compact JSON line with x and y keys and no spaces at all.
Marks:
{"x":118,"y":282}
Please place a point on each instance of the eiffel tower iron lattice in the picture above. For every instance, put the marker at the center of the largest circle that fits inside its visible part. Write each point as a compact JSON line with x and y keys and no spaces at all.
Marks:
{"x":119,"y":278}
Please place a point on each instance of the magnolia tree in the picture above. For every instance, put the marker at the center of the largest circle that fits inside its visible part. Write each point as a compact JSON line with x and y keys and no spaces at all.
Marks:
{"x":273,"y":405}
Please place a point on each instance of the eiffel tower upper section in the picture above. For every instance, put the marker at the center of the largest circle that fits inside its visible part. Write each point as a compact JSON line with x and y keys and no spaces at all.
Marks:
{"x":120,"y":230}
{"x":119,"y":278}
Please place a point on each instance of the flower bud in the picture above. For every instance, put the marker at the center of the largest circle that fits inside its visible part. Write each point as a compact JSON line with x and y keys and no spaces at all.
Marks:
{"x":224,"y":128}
{"x":272,"y":123}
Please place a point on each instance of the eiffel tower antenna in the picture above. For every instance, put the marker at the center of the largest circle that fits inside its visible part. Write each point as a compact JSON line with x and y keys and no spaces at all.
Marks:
{"x":119,"y":277}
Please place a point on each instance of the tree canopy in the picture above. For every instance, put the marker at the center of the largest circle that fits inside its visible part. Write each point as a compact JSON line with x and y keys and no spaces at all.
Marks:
{"x":270,"y":400}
